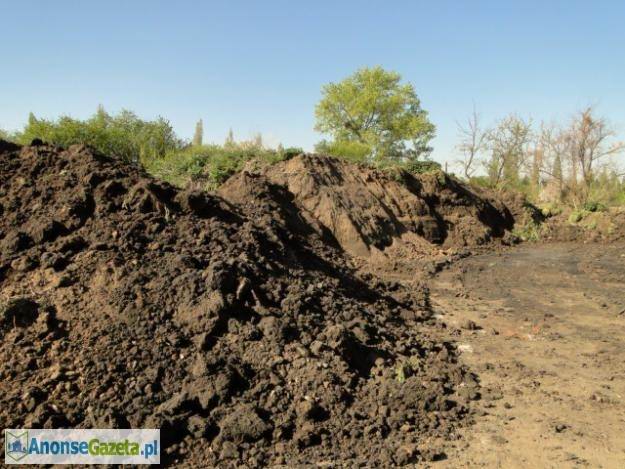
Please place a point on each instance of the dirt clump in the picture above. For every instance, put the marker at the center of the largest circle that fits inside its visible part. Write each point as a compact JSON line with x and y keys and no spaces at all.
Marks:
{"x":237,"y":327}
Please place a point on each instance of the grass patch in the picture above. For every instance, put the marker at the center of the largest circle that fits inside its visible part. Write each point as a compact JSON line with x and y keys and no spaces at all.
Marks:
{"x":531,"y":231}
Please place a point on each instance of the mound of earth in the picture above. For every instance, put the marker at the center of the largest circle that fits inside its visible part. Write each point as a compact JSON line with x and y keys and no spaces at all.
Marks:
{"x":368,"y":211}
{"x":600,"y":226}
{"x":236,"y":329}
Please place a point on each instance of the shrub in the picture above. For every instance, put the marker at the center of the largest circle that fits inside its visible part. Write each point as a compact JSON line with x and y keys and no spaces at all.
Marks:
{"x":208,"y":166}
{"x":290,"y":152}
{"x":421,"y":167}
{"x":123,"y":135}
{"x":348,"y":149}
{"x":531,"y":231}
{"x":551,"y":210}
{"x":578,"y":215}
{"x":593,"y":206}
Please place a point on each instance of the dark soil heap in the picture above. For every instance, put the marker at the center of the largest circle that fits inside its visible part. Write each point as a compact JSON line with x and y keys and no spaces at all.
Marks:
{"x":369,"y":211}
{"x":237,"y":330}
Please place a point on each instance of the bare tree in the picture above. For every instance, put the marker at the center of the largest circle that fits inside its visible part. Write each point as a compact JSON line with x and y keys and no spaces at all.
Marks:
{"x":589,"y":140}
{"x":575,"y":153}
{"x":508,"y":144}
{"x":555,"y":148}
{"x":472,"y":143}
{"x":537,"y":161}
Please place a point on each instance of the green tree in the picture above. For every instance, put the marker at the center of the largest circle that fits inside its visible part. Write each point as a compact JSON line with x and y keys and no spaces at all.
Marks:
{"x":373,"y":108}
{"x":198,"y":136}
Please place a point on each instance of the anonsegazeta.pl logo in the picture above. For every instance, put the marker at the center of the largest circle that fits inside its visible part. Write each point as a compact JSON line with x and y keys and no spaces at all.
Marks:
{"x":96,"y":446}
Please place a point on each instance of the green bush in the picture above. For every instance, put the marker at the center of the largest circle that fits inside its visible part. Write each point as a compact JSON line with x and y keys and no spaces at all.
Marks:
{"x":290,"y":152}
{"x":347,"y":149}
{"x":578,"y":215}
{"x":551,"y":210}
{"x":208,"y":166}
{"x":421,"y":167}
{"x":531,"y":231}
{"x":593,"y":206}
{"x":123,"y":135}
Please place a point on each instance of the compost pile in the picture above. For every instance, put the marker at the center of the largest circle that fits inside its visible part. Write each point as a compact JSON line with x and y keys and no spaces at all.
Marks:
{"x":237,"y":327}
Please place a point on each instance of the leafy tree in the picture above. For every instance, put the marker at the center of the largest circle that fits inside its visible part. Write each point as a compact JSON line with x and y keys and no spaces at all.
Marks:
{"x":198,"y":136}
{"x":374,"y":109}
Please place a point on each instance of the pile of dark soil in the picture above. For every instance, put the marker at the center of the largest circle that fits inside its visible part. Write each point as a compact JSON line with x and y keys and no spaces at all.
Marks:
{"x":373,"y":214}
{"x":236,"y":329}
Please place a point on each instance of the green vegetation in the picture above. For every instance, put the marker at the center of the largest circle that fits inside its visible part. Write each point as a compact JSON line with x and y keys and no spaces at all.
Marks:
{"x":551,"y":209}
{"x":154,"y":145}
{"x":4,"y":135}
{"x":407,"y":368}
{"x":375,"y":119}
{"x":593,"y":206}
{"x":208,"y":166}
{"x":530,"y":231}
{"x":351,"y":150}
{"x":372,"y":116}
{"x":123,"y":135}
{"x":578,"y":215}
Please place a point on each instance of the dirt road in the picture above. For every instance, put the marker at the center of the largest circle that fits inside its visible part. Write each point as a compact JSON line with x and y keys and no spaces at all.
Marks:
{"x":544,"y":328}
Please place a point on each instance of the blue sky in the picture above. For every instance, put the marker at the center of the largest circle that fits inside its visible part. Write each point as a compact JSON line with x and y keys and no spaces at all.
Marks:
{"x":259,"y":66}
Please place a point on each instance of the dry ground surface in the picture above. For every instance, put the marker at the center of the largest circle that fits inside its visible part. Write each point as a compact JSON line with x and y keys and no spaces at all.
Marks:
{"x":544,"y":328}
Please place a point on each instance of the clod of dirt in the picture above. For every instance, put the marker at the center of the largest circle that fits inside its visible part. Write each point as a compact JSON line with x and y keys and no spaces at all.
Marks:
{"x":469,"y":325}
{"x":238,"y":327}
{"x":18,"y":312}
{"x":560,"y":427}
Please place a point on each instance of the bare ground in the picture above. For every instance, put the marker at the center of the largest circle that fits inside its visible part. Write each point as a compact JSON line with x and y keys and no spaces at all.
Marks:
{"x":544,"y":328}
